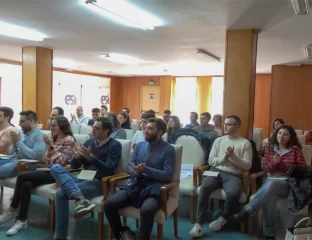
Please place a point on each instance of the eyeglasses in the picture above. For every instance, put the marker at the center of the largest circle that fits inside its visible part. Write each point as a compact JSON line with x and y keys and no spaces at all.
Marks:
{"x":229,"y":124}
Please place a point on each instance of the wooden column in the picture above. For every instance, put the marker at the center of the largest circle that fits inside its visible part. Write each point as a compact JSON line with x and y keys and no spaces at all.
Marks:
{"x":239,"y":77}
{"x":37,"y":81}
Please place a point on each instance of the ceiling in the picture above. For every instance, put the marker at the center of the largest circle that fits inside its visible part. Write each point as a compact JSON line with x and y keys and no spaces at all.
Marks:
{"x":79,"y":34}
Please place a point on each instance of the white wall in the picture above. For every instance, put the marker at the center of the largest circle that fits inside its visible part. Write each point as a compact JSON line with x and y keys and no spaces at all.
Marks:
{"x":11,"y":89}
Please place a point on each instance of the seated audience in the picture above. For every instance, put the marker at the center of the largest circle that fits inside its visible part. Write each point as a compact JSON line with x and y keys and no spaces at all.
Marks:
{"x":59,"y":152}
{"x":104,"y":110}
{"x":166,"y":115}
{"x":55,"y":112}
{"x":173,"y":126}
{"x":152,"y":165}
{"x":6,"y":114}
{"x":152,"y":111}
{"x":217,"y":121}
{"x":28,"y":144}
{"x":283,"y":151}
{"x":205,"y":128}
{"x":139,"y":135}
{"x":127,"y":112}
{"x":117,"y":132}
{"x":101,"y":154}
{"x":95,"y":115}
{"x":81,"y":118}
{"x":276,"y":124}
{"x":124,"y":123}
{"x":193,"y":120}
{"x":230,"y":156}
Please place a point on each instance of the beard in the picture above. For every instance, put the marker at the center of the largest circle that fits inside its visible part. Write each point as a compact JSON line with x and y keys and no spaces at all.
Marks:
{"x":150,"y":138}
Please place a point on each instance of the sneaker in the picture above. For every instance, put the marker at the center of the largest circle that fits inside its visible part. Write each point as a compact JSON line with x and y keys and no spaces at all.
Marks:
{"x":8,"y":215}
{"x":197,"y":231}
{"x":83,"y":207}
{"x":218,"y":224}
{"x":18,"y":226}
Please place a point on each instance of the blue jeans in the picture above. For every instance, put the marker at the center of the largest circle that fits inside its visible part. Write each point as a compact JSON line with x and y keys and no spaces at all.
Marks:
{"x":8,"y":168}
{"x":266,"y":198}
{"x":71,"y":186}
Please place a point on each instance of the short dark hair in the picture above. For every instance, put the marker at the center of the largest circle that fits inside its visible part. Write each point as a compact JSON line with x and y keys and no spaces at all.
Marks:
{"x":106,"y":124}
{"x":30,"y":115}
{"x":147,"y":115}
{"x":206,"y":114}
{"x":104,"y":106}
{"x":160,"y":124}
{"x":127,"y":109}
{"x":7,"y":112}
{"x":195,"y":113}
{"x":167,"y":112}
{"x":151,"y":111}
{"x":95,"y":110}
{"x":60,"y":111}
{"x":237,"y":119}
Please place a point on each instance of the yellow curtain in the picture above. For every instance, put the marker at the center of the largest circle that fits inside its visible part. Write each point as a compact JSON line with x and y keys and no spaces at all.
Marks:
{"x":172,"y":94}
{"x":203,"y":93}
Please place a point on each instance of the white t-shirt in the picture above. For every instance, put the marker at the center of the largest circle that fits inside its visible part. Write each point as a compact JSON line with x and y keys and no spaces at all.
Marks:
{"x":241,"y":159}
{"x":138,"y":137}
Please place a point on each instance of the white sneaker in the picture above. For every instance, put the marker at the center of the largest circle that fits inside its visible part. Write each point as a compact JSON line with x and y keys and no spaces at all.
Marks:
{"x":218,"y":224}
{"x":18,"y":226}
{"x":8,"y":215}
{"x":197,"y":231}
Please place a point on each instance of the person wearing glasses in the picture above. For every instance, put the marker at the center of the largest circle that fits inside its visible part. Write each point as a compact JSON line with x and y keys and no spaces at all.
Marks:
{"x":28,"y":144}
{"x":230,"y":156}
{"x":100,"y":154}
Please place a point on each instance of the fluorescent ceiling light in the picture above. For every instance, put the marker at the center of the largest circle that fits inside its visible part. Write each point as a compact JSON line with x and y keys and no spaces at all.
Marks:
{"x":65,"y":63}
{"x":125,"y":13}
{"x":20,"y":32}
{"x":208,"y":55}
{"x":121,"y":58}
{"x":301,"y":7}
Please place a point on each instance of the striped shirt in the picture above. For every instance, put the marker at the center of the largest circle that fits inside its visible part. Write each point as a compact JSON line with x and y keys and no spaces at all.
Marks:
{"x":292,"y":156}
{"x":62,"y":152}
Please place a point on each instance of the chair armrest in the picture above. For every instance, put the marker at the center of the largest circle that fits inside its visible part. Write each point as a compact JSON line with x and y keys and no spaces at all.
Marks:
{"x":163,"y":193}
{"x":113,"y":180}
{"x":22,"y":166}
{"x":195,"y":176}
{"x":201,"y":171}
{"x":253,"y":179}
{"x":246,"y":183}
{"x":105,"y":184}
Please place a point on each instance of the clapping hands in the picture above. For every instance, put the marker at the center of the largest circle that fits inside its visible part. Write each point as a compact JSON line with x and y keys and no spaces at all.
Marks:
{"x":139,"y":168}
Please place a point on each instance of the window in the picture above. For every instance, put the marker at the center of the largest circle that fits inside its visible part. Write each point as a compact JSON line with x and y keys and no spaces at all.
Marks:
{"x":216,"y":104}
{"x":185,"y":98}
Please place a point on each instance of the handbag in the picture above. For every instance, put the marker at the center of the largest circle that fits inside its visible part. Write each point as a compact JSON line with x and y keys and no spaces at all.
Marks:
{"x":301,"y":231}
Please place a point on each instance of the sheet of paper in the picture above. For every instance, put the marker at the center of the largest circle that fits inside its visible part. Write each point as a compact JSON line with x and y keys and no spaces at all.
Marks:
{"x":4,"y":157}
{"x":27,"y":160}
{"x":211,"y":174}
{"x":186,"y":170}
{"x":86,"y":175}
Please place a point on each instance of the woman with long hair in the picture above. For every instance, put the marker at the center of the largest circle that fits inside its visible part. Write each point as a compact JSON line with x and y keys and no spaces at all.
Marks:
{"x":60,"y":152}
{"x":123,"y":120}
{"x":173,"y":125}
{"x":117,"y":131}
{"x":283,"y":151}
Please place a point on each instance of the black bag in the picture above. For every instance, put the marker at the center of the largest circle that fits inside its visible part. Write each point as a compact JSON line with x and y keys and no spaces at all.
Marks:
{"x":299,"y":171}
{"x":127,"y":234}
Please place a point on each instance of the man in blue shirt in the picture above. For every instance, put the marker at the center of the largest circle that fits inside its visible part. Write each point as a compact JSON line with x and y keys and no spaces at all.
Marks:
{"x":100,"y":154}
{"x":28,"y":144}
{"x":152,"y":165}
{"x":81,"y":118}
{"x":193,"y":119}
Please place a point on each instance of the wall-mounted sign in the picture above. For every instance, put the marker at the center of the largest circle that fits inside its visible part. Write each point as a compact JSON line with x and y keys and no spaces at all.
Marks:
{"x":151,"y":81}
{"x":151,"y":96}
{"x":105,"y":99}
{"x":70,"y":100}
